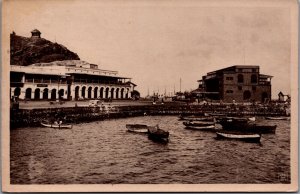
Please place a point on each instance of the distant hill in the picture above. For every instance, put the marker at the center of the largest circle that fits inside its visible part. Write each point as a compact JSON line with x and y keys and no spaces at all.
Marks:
{"x":25,"y":51}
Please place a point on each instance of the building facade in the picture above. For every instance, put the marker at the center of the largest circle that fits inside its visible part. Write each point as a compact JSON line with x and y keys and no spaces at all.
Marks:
{"x":69,"y":80}
{"x":236,"y":83}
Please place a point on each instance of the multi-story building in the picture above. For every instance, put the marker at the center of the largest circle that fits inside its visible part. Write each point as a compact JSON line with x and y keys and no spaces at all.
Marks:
{"x":240,"y":83}
{"x":68,"y":80}
{"x":60,"y":78}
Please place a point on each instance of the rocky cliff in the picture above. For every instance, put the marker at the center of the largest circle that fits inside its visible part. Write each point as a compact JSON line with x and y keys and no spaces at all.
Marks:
{"x":25,"y":51}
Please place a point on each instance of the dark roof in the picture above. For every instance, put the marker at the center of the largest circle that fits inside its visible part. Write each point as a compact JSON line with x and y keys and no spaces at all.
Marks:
{"x":35,"y":31}
{"x":231,"y":68}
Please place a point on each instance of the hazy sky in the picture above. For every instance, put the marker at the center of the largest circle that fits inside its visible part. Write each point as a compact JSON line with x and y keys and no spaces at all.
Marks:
{"x":158,"y":42}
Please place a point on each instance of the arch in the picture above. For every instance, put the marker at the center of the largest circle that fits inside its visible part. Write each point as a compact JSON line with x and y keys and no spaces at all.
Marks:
{"x":122,"y":93}
{"x":76,"y":92}
{"x":117,"y":92}
{"x":247,"y":95}
{"x":45,"y":93}
{"x":61,"y":93}
{"x":101,"y":92}
{"x":106,"y":92}
{"x":240,"y":78}
{"x":83,"y":92}
{"x":264,"y":96}
{"x":37,"y":94}
{"x":112,"y":90}
{"x":254,"y":78}
{"x":90,"y":92}
{"x":28,"y":93}
{"x":53,"y":94}
{"x":96,"y":92}
{"x":17,"y":91}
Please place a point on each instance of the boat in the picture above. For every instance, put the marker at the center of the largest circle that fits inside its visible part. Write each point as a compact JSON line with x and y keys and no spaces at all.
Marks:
{"x":244,"y":137}
{"x":195,"y":118}
{"x":155,"y":133}
{"x":277,"y":118}
{"x":243,"y":125}
{"x":214,"y":114}
{"x":137,"y":128}
{"x":199,"y":125}
{"x":57,"y":126}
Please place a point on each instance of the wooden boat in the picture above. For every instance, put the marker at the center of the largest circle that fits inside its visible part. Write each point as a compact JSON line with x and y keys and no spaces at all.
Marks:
{"x":137,"y":128}
{"x":243,"y":137}
{"x":214,"y":114}
{"x":57,"y":126}
{"x":155,"y":133}
{"x":277,"y":118}
{"x":196,"y":118}
{"x":243,"y":125}
{"x":199,"y":125}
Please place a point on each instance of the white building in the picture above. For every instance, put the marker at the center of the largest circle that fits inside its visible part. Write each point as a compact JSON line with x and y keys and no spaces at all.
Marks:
{"x":70,"y":79}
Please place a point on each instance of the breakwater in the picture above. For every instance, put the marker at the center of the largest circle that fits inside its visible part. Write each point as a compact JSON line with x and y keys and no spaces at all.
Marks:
{"x":33,"y":117}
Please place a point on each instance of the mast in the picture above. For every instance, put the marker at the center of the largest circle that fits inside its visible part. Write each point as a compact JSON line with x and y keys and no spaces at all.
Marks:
{"x":180,"y":85}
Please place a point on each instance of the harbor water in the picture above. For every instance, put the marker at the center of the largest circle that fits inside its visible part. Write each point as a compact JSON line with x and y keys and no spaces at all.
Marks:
{"x":103,"y":152}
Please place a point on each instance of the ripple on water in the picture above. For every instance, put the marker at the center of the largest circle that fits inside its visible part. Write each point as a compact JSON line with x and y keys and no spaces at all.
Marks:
{"x":105,"y":153}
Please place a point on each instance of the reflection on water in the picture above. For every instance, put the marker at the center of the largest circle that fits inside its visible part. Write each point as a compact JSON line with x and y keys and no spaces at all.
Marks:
{"x":104,"y":152}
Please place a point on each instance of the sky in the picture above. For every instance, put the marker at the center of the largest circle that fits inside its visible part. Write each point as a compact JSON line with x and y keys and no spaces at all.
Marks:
{"x":157,"y":43}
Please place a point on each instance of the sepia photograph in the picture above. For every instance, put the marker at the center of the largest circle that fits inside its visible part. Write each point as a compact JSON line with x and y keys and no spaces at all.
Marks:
{"x":135,"y":96}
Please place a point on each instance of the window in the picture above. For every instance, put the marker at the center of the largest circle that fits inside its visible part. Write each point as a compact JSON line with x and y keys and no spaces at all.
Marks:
{"x":240,"y":78}
{"x":240,"y":87}
{"x":254,"y":79}
{"x":229,"y":91}
{"x":254,"y":70}
{"x":229,"y":78}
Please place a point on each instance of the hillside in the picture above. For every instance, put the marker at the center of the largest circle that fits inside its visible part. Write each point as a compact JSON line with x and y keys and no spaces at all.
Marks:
{"x":25,"y":51}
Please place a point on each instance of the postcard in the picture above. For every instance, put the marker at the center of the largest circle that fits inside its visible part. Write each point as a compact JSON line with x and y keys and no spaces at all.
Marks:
{"x":149,"y":96}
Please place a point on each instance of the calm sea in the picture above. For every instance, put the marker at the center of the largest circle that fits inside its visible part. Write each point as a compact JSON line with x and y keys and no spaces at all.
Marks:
{"x":104,"y":152}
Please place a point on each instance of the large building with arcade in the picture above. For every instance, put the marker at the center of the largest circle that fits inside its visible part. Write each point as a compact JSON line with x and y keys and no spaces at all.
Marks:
{"x":68,"y":80}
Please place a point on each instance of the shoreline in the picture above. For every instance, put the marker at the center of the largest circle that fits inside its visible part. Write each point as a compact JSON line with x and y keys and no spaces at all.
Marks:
{"x":20,"y":118}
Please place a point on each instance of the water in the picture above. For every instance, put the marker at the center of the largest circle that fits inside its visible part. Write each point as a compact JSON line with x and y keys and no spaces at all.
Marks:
{"x":104,"y":152}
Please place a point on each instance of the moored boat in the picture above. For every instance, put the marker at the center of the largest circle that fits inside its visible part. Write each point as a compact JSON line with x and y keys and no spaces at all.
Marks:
{"x":57,"y":126}
{"x":277,"y":118}
{"x":196,"y":118}
{"x":137,"y":128}
{"x":244,"y":137}
{"x":243,"y":125}
{"x":199,"y":125}
{"x":155,"y":133}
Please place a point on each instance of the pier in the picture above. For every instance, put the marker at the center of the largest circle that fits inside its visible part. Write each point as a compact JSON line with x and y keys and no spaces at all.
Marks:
{"x":33,"y":117}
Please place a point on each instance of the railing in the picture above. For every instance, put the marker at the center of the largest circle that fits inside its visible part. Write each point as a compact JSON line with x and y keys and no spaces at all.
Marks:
{"x":91,"y":71}
{"x":81,"y":81}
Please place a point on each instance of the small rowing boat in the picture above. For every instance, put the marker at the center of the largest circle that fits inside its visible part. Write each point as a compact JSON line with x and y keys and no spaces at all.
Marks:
{"x":137,"y":128}
{"x":57,"y":126}
{"x":199,"y":125}
{"x":243,"y":137}
{"x":277,"y":118}
{"x":155,"y":133}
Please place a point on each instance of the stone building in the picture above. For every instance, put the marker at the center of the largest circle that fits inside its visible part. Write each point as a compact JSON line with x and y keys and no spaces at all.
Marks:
{"x":42,"y":70}
{"x":238,"y":83}
{"x":71,"y":79}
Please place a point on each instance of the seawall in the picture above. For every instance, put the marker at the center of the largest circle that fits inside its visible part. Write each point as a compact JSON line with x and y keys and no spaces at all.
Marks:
{"x":33,"y":117}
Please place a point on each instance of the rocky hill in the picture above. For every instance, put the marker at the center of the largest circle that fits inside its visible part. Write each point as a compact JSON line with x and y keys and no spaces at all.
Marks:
{"x":25,"y":51}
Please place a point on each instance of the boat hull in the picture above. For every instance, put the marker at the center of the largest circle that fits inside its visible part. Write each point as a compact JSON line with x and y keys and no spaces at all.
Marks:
{"x":200,"y":125}
{"x":158,"y":134}
{"x":137,"y":128}
{"x":277,"y":118}
{"x":255,"y":138}
{"x":57,"y":126}
{"x":244,"y":126}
